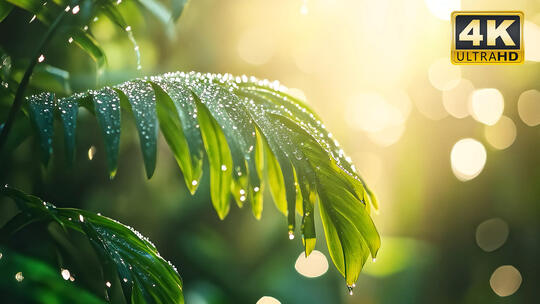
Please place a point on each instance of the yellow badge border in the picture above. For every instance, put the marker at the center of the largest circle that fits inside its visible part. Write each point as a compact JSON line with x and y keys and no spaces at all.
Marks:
{"x":490,"y":13}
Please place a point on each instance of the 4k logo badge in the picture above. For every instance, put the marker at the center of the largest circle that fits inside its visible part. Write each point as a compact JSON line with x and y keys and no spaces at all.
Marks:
{"x":487,"y":38}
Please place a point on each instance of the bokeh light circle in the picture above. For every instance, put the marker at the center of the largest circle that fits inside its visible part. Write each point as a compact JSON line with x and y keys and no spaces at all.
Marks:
{"x":456,"y":100}
{"x":443,"y":75}
{"x":487,"y":105}
{"x":529,"y":107}
{"x":491,"y":234}
{"x":468,"y":158}
{"x":505,"y":280}
{"x":268,"y":300}
{"x":256,"y":46}
{"x":315,"y":265}
{"x":502,"y":134}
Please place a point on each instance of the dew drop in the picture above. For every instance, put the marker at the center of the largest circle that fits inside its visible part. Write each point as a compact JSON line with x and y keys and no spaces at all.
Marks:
{"x":65,"y":274}
{"x":108,"y":284}
{"x":291,"y":235}
{"x":41,"y":58}
{"x":223,"y":168}
{"x":256,"y":189}
{"x":19,"y":277}
{"x":81,"y":218}
{"x":75,"y":10}
{"x":194,"y":182}
{"x":91,"y":152}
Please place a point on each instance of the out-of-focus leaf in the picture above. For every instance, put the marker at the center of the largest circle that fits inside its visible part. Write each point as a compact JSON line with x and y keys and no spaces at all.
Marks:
{"x":241,"y":121}
{"x":5,"y":9}
{"x":177,"y":8}
{"x":51,"y":78}
{"x":162,"y":13}
{"x":86,"y":42}
{"x":124,"y":252}
{"x":41,"y":283}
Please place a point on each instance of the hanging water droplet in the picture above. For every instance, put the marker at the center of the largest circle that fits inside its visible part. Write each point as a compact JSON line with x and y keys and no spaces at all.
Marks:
{"x":67,"y":8}
{"x":91,"y":152}
{"x":374,"y":260}
{"x":125,"y":280}
{"x":75,"y":10}
{"x":223,"y":168}
{"x":242,"y":198}
{"x":298,"y":154}
{"x":81,"y":218}
{"x":41,"y":58}
{"x":291,"y":235}
{"x":194,"y":182}
{"x":19,"y":276}
{"x":32,"y":19}
{"x":108,"y":284}
{"x":256,"y":189}
{"x":1,"y":255}
{"x":350,"y":289}
{"x":65,"y":274}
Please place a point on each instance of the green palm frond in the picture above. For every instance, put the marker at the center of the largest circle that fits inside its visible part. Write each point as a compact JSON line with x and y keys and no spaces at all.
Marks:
{"x":127,"y":258}
{"x":246,"y":127}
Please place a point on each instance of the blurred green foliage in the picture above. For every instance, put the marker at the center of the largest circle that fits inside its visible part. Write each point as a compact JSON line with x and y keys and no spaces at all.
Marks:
{"x":428,"y":217}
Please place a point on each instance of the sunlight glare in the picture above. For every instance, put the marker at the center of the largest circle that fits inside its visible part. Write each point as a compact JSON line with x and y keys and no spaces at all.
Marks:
{"x":456,"y":100}
{"x":443,"y":8}
{"x":443,"y":75}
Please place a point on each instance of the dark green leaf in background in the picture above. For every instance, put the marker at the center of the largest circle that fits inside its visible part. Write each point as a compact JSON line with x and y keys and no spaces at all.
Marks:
{"x":127,"y":258}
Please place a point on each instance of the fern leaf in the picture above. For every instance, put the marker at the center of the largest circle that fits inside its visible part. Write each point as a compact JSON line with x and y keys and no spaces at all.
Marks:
{"x":246,"y":127}
{"x":125,"y":255}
